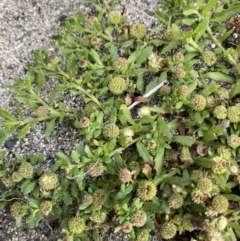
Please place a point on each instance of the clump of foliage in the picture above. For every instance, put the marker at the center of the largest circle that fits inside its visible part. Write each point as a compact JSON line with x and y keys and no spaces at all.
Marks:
{"x":169,"y":166}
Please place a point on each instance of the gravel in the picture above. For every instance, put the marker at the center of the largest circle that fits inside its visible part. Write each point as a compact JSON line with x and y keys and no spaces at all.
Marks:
{"x":26,"y":27}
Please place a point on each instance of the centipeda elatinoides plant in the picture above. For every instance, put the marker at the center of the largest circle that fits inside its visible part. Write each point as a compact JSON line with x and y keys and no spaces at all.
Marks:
{"x":167,"y":167}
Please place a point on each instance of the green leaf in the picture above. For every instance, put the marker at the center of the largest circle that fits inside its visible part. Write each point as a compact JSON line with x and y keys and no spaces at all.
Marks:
{"x":209,"y":89}
{"x":38,"y":158}
{"x":184,"y":140}
{"x":235,"y":90}
{"x":63,"y":158}
{"x":232,"y":197}
{"x":22,"y":133}
{"x":181,"y":181}
{"x":2,"y":205}
{"x":29,"y":187}
{"x":190,"y":12}
{"x":143,"y":55}
{"x":210,"y":4}
{"x":50,"y":127}
{"x":125,"y":115}
{"x":96,"y":57}
{"x":163,"y":128}
{"x":201,"y":28}
{"x":74,"y":156}
{"x":159,"y":160}
{"x":6,"y":115}
{"x":33,"y":203}
{"x":19,"y":111}
{"x":143,"y":152}
{"x":219,"y":77}
{"x":204,"y":162}
{"x":67,"y":198}
{"x":41,"y":81}
{"x":162,"y":17}
{"x":225,"y":15}
{"x":170,"y":46}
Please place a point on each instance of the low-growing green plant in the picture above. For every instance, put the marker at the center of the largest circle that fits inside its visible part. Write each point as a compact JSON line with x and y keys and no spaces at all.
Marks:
{"x":167,"y":167}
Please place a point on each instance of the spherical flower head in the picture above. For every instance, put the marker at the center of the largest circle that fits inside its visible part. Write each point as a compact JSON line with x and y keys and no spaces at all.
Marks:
{"x":152,"y":144}
{"x":144,"y":111}
{"x":16,"y":177}
{"x":180,"y":73}
{"x":138,"y":31}
{"x":205,"y":185}
{"x":78,"y":79}
{"x":224,"y":152}
{"x":222,"y":223}
{"x":220,"y":167}
{"x":196,"y":175}
{"x":198,"y":103}
{"x":121,"y":64}
{"x":234,"y":169}
{"x":127,"y":227}
{"x":55,"y":60}
{"x":143,"y":235}
{"x":110,"y":131}
{"x":117,"y":85}
{"x":220,"y":112}
{"x":215,"y":236}
{"x":99,"y":196}
{"x":16,"y":210}
{"x":165,"y":90}
{"x":133,"y":165}
{"x":198,"y":196}
{"x":115,"y":17}
{"x":179,"y":57}
{"x":233,"y":114}
{"x":48,"y":181}
{"x":42,"y":111}
{"x":170,"y":35}
{"x":92,"y":20}
{"x":98,"y":217}
{"x":7,"y":182}
{"x":26,"y":170}
{"x":233,"y":141}
{"x":175,"y":201}
{"x":94,"y":170}
{"x":87,"y":199}
{"x":46,"y":207}
{"x":84,"y":122}
{"x":127,"y":132}
{"x":83,"y":63}
{"x":139,"y":218}
{"x":209,"y":58}
{"x":183,"y":90}
{"x":125,"y":175}
{"x":187,"y":223}
{"x":76,"y":225}
{"x":233,"y":53}
{"x":156,"y":62}
{"x":95,"y":41}
{"x":146,"y":190}
{"x":220,"y":204}
{"x":177,"y":219}
{"x":89,"y":108}
{"x":168,"y":230}
{"x":85,"y":41}
{"x":210,"y":101}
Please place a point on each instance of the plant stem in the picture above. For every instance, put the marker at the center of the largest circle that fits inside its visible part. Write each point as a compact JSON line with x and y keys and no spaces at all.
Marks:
{"x":106,"y":5}
{"x":194,"y":45}
{"x":120,"y":149}
{"x":230,"y":59}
